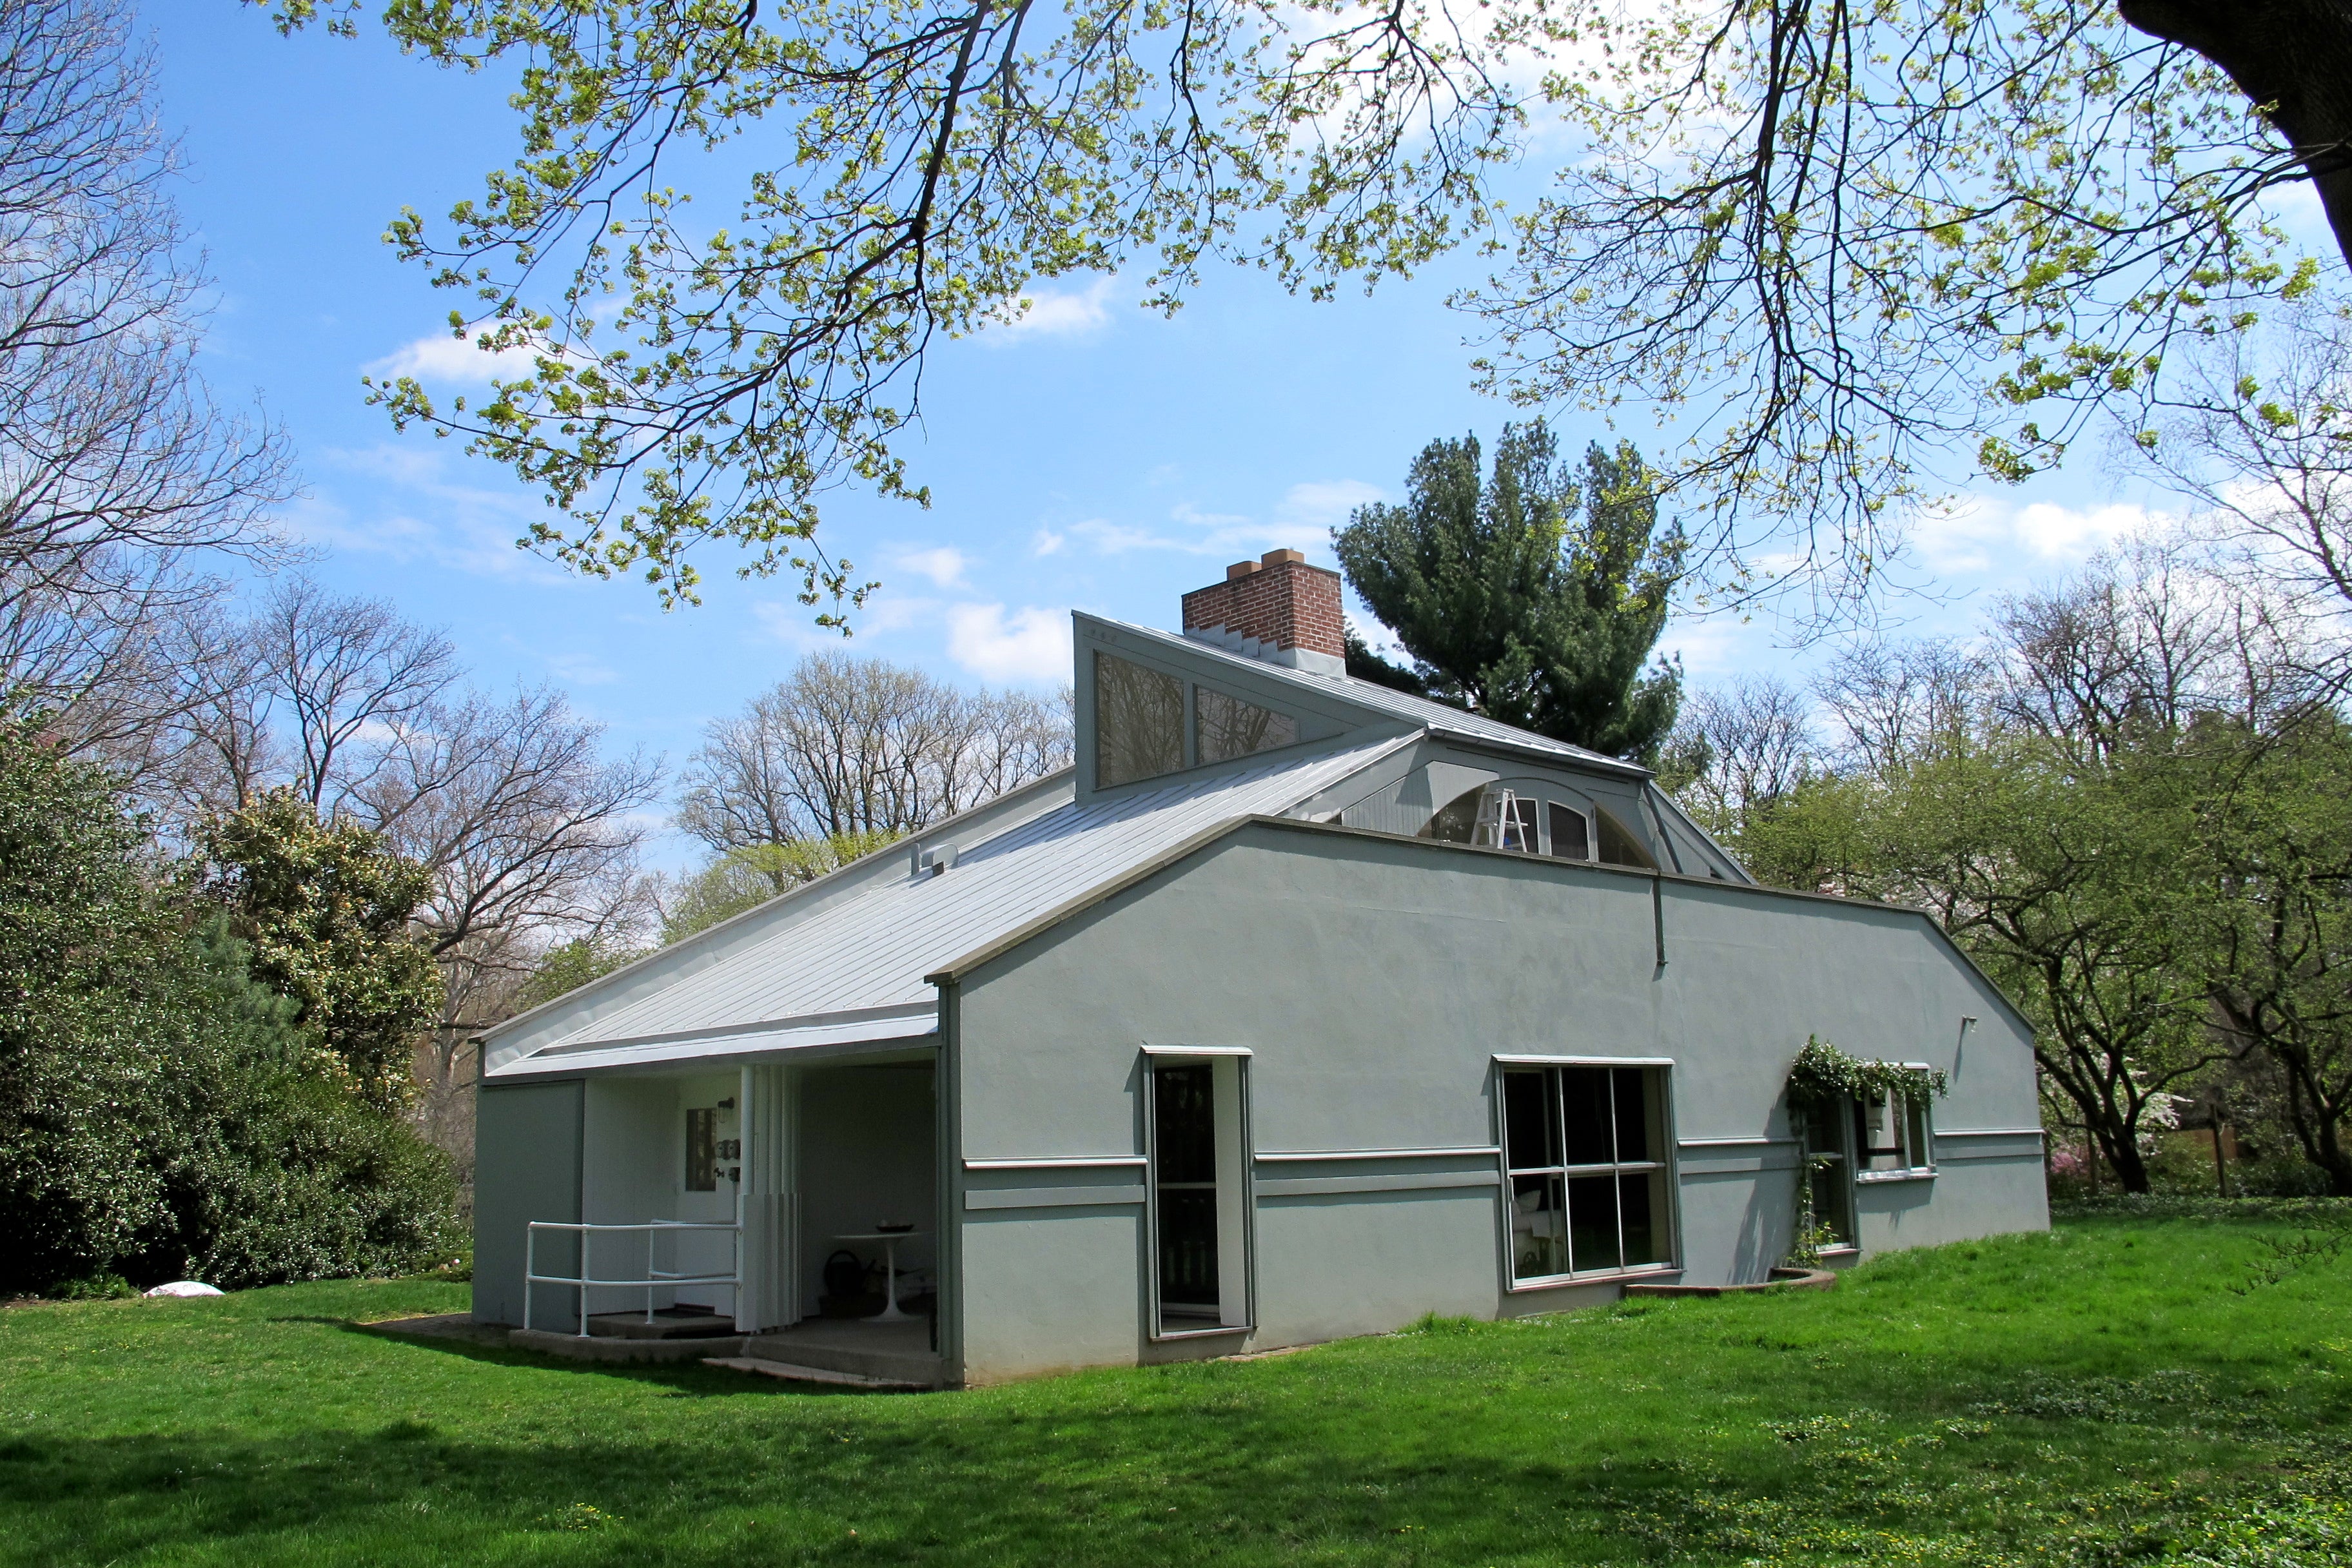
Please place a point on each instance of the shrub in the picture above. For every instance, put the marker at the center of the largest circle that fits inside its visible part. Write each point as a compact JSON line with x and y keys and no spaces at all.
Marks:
{"x":162,"y":1113}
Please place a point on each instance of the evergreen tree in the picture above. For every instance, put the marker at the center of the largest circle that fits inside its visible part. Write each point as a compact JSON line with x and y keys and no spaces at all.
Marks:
{"x":1534,"y":596}
{"x":162,"y":1113}
{"x":325,"y":907}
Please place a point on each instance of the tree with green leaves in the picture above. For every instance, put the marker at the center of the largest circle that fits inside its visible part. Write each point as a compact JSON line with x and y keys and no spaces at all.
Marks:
{"x":1533,"y":593}
{"x":328,"y":909}
{"x":2275,"y":854}
{"x":1844,"y":241}
{"x":749,"y":875}
{"x":162,"y":1112}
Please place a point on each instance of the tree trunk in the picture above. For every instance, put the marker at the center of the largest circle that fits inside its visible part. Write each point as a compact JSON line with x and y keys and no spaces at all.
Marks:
{"x":2292,"y":56}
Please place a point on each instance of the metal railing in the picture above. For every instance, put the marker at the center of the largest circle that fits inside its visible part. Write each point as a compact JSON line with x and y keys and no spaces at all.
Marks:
{"x":656,"y":1279}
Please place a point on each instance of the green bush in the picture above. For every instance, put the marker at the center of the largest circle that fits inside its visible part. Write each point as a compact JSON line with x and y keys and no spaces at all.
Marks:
{"x":162,"y":1114}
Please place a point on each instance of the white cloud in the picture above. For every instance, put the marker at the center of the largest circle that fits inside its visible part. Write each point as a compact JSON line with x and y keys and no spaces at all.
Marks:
{"x":582,"y":669}
{"x":463,"y":527}
{"x":1031,"y":644}
{"x":1047,"y":542}
{"x":1985,"y":533}
{"x":943,"y":566}
{"x":1117,"y":539}
{"x":1325,"y":504}
{"x":794,"y":624}
{"x":440,"y":356}
{"x":1055,"y":313}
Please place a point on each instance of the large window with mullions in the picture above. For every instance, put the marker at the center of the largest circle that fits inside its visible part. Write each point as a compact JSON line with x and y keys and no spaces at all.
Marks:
{"x":1585,"y":1149}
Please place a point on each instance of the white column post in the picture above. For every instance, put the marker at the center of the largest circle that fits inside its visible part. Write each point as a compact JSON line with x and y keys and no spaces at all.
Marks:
{"x":763,"y":1208}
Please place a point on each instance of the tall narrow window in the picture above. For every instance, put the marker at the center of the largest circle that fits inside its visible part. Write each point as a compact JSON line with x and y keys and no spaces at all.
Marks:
{"x":1585,"y":1149}
{"x":1827,"y":1173}
{"x":1139,"y":722}
{"x":702,"y":1149}
{"x":1571,"y":835}
{"x":1199,"y":1195}
{"x":1227,"y":726}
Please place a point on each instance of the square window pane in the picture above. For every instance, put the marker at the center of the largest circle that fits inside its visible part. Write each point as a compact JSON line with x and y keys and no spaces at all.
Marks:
{"x":1139,"y":722}
{"x":1530,"y":1121}
{"x":1634,"y":1141}
{"x":1642,"y":1209}
{"x":1593,"y":1222}
{"x":1539,"y":1229}
{"x":1227,"y":726}
{"x":1585,"y":1091}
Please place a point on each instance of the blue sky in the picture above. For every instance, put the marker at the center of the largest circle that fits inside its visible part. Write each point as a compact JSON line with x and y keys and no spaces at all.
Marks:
{"x":1098,"y":457}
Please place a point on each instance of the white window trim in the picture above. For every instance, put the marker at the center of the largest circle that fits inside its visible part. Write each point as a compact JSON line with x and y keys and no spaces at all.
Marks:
{"x":1919,"y":1173}
{"x":1169,"y":1056}
{"x":1671,"y":1165}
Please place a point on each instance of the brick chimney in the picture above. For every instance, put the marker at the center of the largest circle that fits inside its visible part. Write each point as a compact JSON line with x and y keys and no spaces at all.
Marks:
{"x":1277,"y":608}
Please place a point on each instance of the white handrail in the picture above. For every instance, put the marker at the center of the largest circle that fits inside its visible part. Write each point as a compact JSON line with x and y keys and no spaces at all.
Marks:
{"x":656,"y":1278}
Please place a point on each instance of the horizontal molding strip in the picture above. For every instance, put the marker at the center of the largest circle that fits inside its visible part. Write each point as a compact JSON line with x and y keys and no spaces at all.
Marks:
{"x":2033,"y":1132}
{"x":1314,"y":1186}
{"x":1984,"y":1156}
{"x":1050,"y":1197}
{"x":1058,"y":1162}
{"x":1736,"y":1143}
{"x":1311,"y":1156}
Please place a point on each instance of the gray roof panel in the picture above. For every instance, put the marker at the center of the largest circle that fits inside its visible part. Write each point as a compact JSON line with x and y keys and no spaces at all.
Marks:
{"x":873,"y":948}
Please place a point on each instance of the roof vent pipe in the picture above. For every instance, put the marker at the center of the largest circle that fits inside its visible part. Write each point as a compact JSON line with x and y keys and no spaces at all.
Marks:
{"x":933,"y":859}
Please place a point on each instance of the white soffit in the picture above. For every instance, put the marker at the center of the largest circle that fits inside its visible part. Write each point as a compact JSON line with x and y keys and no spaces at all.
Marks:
{"x":893,"y":1027}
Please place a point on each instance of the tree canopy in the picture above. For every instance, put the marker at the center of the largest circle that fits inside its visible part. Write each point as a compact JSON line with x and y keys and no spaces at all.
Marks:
{"x":1847,"y":247}
{"x":327,"y":908}
{"x":1533,"y":593}
{"x":164,"y":1113}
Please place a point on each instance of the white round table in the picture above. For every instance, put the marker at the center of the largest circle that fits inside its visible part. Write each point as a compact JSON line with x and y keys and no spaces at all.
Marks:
{"x":889,"y":1240}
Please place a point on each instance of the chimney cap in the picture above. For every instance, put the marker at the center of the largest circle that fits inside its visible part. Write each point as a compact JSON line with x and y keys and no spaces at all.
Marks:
{"x":1239,"y":569}
{"x":1282,"y":557}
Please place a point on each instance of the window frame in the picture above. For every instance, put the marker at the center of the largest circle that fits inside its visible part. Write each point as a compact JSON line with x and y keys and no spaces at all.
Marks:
{"x":1153,"y":1058}
{"x":1916,"y":1121}
{"x":1668,"y":1166}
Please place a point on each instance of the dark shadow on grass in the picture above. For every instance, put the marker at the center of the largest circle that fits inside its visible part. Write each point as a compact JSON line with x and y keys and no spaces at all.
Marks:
{"x":688,"y":1379}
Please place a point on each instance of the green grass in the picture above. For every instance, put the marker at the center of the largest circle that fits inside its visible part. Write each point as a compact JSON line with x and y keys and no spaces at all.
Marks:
{"x":2123,"y":1389}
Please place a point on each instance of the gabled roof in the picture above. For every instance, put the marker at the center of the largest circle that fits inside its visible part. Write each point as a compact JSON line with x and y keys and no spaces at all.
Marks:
{"x":861,"y":965}
{"x":1419,"y":712}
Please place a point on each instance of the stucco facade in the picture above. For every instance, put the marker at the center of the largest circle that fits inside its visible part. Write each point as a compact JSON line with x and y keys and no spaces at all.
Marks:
{"x":1337,"y":1008}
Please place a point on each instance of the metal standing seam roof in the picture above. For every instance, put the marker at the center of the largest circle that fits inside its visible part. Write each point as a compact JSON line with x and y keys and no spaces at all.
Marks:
{"x":873,"y":949}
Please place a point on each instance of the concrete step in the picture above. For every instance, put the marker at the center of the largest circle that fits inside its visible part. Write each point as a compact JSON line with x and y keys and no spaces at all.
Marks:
{"x":595,"y":1347}
{"x":664,"y":1326}
{"x":792,"y":1373}
{"x":896,"y":1365}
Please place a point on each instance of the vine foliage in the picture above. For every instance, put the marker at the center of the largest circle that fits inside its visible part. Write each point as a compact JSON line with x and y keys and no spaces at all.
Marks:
{"x":1821,"y":1071}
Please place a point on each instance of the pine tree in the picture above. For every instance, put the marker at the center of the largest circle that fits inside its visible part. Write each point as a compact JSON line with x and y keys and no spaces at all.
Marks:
{"x":1534,"y":596}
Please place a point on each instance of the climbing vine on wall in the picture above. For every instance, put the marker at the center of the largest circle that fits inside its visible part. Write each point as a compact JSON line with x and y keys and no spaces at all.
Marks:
{"x":1822,"y":1070}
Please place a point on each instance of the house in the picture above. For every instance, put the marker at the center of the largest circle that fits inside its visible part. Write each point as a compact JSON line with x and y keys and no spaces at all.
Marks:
{"x":1299,"y":1008}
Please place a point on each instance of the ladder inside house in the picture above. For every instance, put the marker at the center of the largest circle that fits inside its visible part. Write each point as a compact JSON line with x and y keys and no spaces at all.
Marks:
{"x":1506,"y":822}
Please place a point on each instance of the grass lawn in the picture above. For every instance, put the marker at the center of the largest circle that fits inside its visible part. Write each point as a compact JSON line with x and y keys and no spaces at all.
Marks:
{"x":2125,"y":1388}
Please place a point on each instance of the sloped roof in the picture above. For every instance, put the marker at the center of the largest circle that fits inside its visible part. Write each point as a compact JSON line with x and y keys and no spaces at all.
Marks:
{"x":869,"y":952}
{"x":1420,"y":711}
